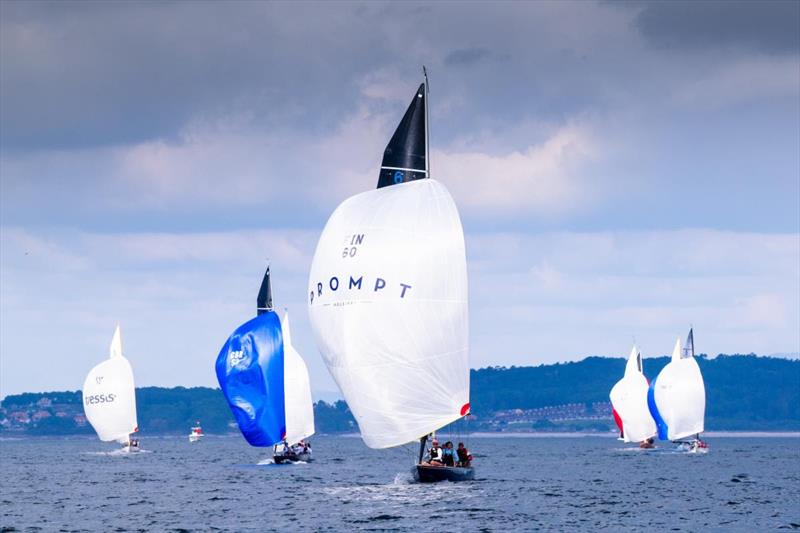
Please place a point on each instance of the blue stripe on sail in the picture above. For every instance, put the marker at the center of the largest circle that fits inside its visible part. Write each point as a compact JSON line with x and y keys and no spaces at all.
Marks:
{"x":651,"y":404}
{"x":250,"y":372}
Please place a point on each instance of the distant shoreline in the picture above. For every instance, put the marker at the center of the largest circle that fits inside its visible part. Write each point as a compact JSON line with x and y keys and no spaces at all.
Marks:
{"x":712,"y":434}
{"x":477,"y":435}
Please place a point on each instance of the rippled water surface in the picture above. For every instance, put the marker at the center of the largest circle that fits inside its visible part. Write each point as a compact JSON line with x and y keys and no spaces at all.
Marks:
{"x":521,"y":483}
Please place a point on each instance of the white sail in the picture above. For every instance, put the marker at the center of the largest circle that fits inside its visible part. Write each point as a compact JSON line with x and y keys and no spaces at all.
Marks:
{"x":680,"y":395}
{"x":109,"y":398}
{"x":388,"y":307}
{"x":629,"y":398}
{"x":297,"y":390}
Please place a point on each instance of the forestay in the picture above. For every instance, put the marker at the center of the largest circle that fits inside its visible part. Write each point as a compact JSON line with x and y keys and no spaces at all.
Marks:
{"x":297,"y":388}
{"x":388,"y":307}
{"x":677,"y":397}
{"x":629,"y":398}
{"x":109,"y":397}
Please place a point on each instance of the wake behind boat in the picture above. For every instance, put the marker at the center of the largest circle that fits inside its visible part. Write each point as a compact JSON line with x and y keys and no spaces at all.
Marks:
{"x":109,"y":398}
{"x":265,"y":381}
{"x":388,"y":300}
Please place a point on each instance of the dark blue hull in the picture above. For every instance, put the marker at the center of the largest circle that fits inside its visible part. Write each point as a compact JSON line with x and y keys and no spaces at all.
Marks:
{"x":432,"y":474}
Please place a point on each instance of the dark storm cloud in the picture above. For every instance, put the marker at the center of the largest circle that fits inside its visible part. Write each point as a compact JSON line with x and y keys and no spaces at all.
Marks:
{"x":466,"y":56}
{"x":86,"y":74}
{"x":767,"y":26}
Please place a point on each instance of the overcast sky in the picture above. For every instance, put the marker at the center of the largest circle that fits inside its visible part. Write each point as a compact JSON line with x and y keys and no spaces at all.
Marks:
{"x":623,"y":170}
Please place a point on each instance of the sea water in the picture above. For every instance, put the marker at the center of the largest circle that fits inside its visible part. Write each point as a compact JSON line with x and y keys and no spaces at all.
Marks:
{"x":562,"y":483}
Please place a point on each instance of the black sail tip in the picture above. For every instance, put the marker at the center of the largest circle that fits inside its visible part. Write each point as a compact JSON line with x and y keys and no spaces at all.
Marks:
{"x":264,"y":300}
{"x":405,"y":156}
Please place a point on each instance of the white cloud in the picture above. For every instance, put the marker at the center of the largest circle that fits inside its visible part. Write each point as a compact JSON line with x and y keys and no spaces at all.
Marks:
{"x":545,"y":178}
{"x":534,"y":298}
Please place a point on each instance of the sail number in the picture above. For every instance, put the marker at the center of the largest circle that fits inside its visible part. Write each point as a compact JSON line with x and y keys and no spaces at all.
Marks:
{"x":351,"y":244}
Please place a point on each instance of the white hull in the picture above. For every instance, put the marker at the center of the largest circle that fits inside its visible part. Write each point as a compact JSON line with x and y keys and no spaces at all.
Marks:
{"x":194,"y":437}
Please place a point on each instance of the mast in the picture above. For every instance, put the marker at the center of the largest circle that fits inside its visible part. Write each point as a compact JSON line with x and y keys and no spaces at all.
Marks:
{"x":264,"y":299}
{"x":427,"y":125}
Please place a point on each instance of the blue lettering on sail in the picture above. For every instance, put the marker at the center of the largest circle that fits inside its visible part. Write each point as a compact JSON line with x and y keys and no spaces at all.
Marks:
{"x":355,"y":283}
{"x":379,"y":284}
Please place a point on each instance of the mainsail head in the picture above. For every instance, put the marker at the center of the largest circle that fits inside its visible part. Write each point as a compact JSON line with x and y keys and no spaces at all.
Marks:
{"x":405,"y":157}
{"x":264,"y":298}
{"x":629,"y":398}
{"x":688,"y":351}
{"x":109,"y":396}
{"x":115,"y":349}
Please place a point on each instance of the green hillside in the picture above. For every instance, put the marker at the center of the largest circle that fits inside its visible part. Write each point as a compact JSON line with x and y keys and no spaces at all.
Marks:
{"x":744,"y":392}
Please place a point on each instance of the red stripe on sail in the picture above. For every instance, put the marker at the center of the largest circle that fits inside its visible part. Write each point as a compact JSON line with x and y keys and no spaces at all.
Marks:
{"x":465,"y":409}
{"x":618,"y":420}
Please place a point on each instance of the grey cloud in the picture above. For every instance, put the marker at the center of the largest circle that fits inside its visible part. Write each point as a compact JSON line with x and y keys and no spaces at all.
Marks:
{"x":466,"y":56}
{"x":766,"y":26}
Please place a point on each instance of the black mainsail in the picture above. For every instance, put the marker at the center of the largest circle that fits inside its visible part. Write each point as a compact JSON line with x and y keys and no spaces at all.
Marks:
{"x":264,"y":300}
{"x":405,"y":157}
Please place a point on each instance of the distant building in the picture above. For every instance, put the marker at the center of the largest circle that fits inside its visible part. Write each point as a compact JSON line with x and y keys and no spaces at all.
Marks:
{"x":79,"y":420}
{"x":21,"y":417}
{"x":40,"y":415}
{"x":44,"y":402}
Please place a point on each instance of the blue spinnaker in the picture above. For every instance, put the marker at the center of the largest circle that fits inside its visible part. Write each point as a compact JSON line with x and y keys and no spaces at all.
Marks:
{"x":250,"y":373}
{"x":661,"y":425}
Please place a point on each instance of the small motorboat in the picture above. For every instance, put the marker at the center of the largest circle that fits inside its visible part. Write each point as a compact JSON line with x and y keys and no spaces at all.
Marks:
{"x":197,"y":433}
{"x":427,"y":473}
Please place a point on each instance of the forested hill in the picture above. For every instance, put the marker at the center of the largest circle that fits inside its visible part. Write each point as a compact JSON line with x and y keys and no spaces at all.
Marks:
{"x":744,"y":392}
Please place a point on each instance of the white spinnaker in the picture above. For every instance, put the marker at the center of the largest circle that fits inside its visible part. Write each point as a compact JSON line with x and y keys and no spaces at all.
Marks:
{"x":397,"y":344}
{"x":109,"y":397}
{"x":297,"y":390}
{"x":629,"y":398}
{"x":680,"y":395}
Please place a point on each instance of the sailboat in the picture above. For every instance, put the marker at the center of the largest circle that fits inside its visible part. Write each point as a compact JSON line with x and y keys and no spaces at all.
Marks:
{"x":629,"y":399}
{"x":266,"y":384}
{"x":677,"y":398}
{"x":109,"y":398}
{"x":387,"y":300}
